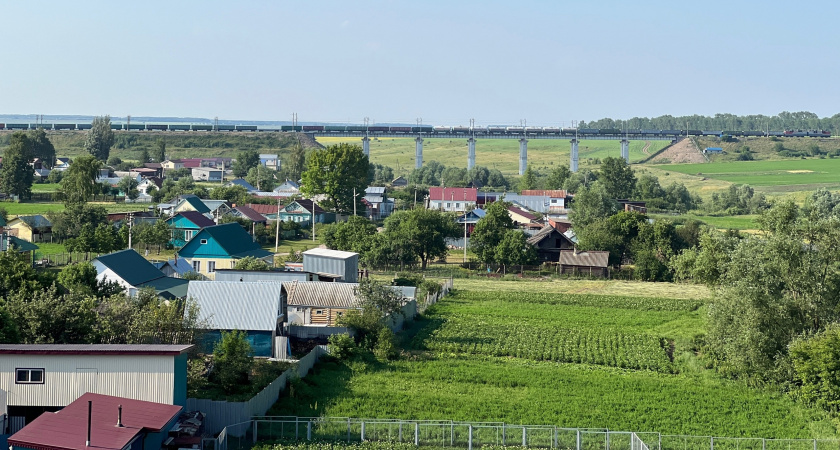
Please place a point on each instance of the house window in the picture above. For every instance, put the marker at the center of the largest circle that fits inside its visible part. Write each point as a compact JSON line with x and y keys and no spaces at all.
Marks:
{"x":189,"y":235}
{"x":449,"y":205}
{"x":211,"y":266}
{"x":203,"y":241}
{"x":457,"y":205}
{"x":197,"y":266}
{"x":319,"y":311}
{"x":29,"y":376}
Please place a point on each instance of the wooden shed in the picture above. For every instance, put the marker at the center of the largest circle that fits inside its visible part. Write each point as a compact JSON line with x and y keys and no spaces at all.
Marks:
{"x":593,"y":263}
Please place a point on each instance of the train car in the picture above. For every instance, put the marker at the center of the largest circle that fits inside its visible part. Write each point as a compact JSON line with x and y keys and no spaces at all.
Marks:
{"x":225,"y":128}
{"x":114,"y":126}
{"x":515,"y":130}
{"x":551,"y":130}
{"x":135,"y":126}
{"x":17,"y":126}
{"x":2,"y":126}
{"x":84,"y":126}
{"x":776,"y":133}
{"x":693,"y":133}
{"x":400,"y":130}
{"x":179,"y":127}
{"x":443,"y":129}
{"x":533,"y":130}
{"x":35,"y":126}
{"x":335,"y":128}
{"x":201,"y":127}
{"x":291,"y":128}
{"x":156,"y":127}
{"x":711,"y":133}
{"x":670,"y":132}
{"x":609,"y":131}
{"x":378,"y":129}
{"x":752,"y":133}
{"x":495,"y":130}
{"x":246,"y":128}
{"x":269,"y":129}
{"x":423,"y":129}
{"x":68,"y":126}
{"x":588,"y":131}
{"x":355,"y":128}
{"x":313,"y":128}
{"x":461,"y":130}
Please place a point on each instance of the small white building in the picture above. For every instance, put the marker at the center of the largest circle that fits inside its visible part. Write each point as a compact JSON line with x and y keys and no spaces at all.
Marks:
{"x":206,"y":174}
{"x":38,"y":378}
{"x":335,"y":264}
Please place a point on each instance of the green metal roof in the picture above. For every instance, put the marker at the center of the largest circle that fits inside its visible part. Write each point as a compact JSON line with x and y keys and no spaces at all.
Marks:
{"x":197,"y":204}
{"x":234,"y":240}
{"x":177,"y":287}
{"x":131,"y":267}
{"x":21,"y":245}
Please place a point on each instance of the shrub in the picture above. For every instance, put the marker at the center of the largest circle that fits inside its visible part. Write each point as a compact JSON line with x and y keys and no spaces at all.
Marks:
{"x":386,"y":347}
{"x":342,"y":346}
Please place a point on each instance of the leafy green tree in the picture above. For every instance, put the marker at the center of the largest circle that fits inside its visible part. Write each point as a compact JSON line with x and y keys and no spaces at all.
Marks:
{"x":69,"y":223}
{"x":144,"y":156}
{"x":615,"y":235}
{"x":232,"y":361}
{"x":100,"y":138}
{"x":336,"y":172}
{"x":419,"y":234}
{"x":128,"y":186}
{"x":79,"y":276}
{"x":42,"y":147}
{"x":528,"y":180}
{"x":354,"y":235}
{"x":377,"y":302}
{"x":591,"y":205}
{"x":79,"y":181}
{"x":55,"y":176}
{"x":48,"y":317}
{"x":557,"y":178}
{"x":235,"y":194}
{"x":490,"y":230}
{"x":251,"y":263}
{"x":649,"y":190}
{"x":496,"y":179}
{"x":17,"y":274}
{"x":514,"y":250}
{"x":9,"y":333}
{"x":294,"y":163}
{"x":16,"y":176}
{"x":617,"y":178}
{"x":816,"y":362}
{"x":454,"y":177}
{"x":245,"y":161}
{"x":381,"y":175}
{"x":159,"y":152}
{"x":262,"y":178}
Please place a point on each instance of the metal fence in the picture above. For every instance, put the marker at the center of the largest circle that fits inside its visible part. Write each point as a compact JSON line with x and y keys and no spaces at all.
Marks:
{"x":469,"y":435}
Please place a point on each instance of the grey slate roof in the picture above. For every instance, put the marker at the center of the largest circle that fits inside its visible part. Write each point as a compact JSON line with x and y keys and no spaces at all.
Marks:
{"x":238,"y":305}
{"x":584,"y":259}
{"x":322,"y":294}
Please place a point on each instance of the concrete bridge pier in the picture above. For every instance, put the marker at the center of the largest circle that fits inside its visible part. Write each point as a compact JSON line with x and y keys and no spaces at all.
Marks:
{"x":470,"y":153}
{"x":523,"y":155}
{"x":625,"y":150}
{"x":366,"y":146}
{"x":573,"y":165}
{"x":418,"y":152}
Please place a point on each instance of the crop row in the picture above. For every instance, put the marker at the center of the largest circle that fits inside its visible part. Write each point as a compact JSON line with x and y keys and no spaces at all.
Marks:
{"x":588,"y":346}
{"x":600,"y":301}
{"x":328,"y":445}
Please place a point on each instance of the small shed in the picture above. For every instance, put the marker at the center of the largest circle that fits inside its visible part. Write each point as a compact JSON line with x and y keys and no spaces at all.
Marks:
{"x":319,"y":303}
{"x":592,"y":263}
{"x":713,"y":150}
{"x":206,"y":174}
{"x":340,"y":265}
{"x":253,"y":307}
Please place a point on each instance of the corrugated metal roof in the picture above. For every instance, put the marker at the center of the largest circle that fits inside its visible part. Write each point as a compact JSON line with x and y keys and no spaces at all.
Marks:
{"x":91,"y":349}
{"x":585,"y":259}
{"x":235,"y":305}
{"x":67,"y":429}
{"x":329,"y":253}
{"x":375,"y":190}
{"x":320,"y":293}
{"x":553,"y":193}
{"x":131,"y":267}
{"x":250,"y":214}
{"x":453,"y":194}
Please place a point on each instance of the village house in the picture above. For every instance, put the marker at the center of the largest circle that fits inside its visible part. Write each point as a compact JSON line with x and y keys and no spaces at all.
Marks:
{"x":207,"y":174}
{"x":301,"y":211}
{"x":520,"y":217}
{"x":470,"y":218}
{"x":556,"y":198}
{"x":287,"y":189}
{"x":173,"y":164}
{"x":242,"y":183}
{"x":317,"y":303}
{"x":377,"y":204}
{"x":336,"y":265}
{"x":35,"y":378}
{"x":189,"y":202}
{"x":134,"y":272}
{"x":185,"y":225}
{"x":220,"y":247}
{"x":400,"y":181}
{"x":271,"y":161}
{"x":591,"y":263}
{"x":249,"y":214}
{"x":452,"y":199}
{"x":549,"y":242}
{"x":34,"y":228}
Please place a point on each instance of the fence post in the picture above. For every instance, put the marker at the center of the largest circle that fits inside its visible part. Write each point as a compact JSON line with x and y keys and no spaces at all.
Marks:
{"x":711,"y":443}
{"x":763,"y":444}
{"x":577,"y":440}
{"x":363,"y":431}
{"x":254,"y":422}
{"x":309,"y":430}
{"x":524,"y":436}
{"x":504,"y":428}
{"x":348,"y":429}
{"x":554,"y":442}
{"x":296,"y":428}
{"x":469,"y":439}
{"x":815,"y":444}
{"x":660,"y":441}
{"x":400,"y":438}
{"x":416,"y":434}
{"x":607,"y":434}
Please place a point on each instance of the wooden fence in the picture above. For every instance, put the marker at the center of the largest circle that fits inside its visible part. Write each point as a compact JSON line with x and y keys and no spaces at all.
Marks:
{"x":63,"y":259}
{"x":219,"y":414}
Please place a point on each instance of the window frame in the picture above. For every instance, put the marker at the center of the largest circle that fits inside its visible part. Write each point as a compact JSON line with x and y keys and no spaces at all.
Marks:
{"x":29,"y":371}
{"x":196,"y":266}
{"x":211,"y":266}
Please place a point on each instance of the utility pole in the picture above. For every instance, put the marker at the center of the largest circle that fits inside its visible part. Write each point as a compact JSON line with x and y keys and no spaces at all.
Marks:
{"x":130,"y":223}
{"x":354,"y":201}
{"x":277,"y":227}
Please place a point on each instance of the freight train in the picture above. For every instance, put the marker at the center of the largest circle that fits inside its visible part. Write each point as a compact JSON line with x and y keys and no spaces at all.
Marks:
{"x":428,"y":130}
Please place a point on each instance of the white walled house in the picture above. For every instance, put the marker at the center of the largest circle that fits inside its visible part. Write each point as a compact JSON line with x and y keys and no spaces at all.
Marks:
{"x":38,"y":378}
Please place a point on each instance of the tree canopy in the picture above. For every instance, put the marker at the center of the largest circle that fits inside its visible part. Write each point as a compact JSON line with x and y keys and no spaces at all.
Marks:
{"x":42,"y":147}
{"x":490,"y":231}
{"x":100,"y":138}
{"x":79,"y":181}
{"x":16,"y":176}
{"x":337,"y":172}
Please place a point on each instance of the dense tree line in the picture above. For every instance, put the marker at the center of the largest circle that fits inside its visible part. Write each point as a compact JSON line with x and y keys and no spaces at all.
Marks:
{"x":434,"y":173}
{"x":801,"y":120}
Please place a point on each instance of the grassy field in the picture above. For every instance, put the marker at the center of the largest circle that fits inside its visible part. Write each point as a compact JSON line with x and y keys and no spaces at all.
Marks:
{"x":45,"y":187}
{"x":472,"y":358}
{"x":801,"y":174}
{"x":502,"y":154}
{"x":763,"y":148}
{"x":26,"y":208}
{"x":743,"y":222}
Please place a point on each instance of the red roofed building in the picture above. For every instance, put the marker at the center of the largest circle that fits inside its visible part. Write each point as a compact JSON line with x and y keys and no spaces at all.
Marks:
{"x":557,"y":197}
{"x":452,"y":199}
{"x":144,"y":425}
{"x":520,"y":216}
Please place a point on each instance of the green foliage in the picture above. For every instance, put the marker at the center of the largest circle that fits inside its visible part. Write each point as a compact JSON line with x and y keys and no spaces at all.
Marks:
{"x":528,"y":180}
{"x":342,"y":346}
{"x":377,"y":302}
{"x":42,"y":147}
{"x":9,"y":333}
{"x":245,"y":161}
{"x":354,"y":235}
{"x":69,"y":222}
{"x":78,"y":276}
{"x":232,"y":361}
{"x":380,"y":175}
{"x":337,"y":172}
{"x":617,"y":178}
{"x":16,"y":176}
{"x":251,"y":263}
{"x":490,"y":230}
{"x":816,"y":362}
{"x":128,"y":186}
{"x":513,"y":249}
{"x":55,"y":176}
{"x":100,"y":138}
{"x":262,"y":177}
{"x":386,"y":346}
{"x":235,"y":194}
{"x":159,"y":152}
{"x":557,"y":178}
{"x":739,"y":199}
{"x":17,"y":275}
{"x":79,"y":181}
{"x":294,"y":162}
{"x":592,"y":204}
{"x":412,"y":235}
{"x":47,"y":317}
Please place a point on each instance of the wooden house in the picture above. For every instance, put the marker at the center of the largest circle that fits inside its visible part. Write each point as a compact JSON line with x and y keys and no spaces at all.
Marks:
{"x":549,"y":242}
{"x":34,"y":228}
{"x":592,"y":263}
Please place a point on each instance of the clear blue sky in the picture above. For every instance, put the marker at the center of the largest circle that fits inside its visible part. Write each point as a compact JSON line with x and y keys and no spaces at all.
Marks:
{"x":549,"y":62}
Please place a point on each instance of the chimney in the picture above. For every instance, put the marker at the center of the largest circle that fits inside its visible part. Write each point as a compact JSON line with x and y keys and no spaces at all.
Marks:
{"x":90,"y":407}
{"x":119,"y":416}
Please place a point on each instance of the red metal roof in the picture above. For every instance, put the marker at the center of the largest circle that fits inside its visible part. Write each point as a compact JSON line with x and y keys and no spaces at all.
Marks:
{"x":264,"y":209}
{"x":453,"y":194}
{"x":552,"y":193}
{"x":522,"y":213}
{"x":67,"y":429}
{"x":252,"y":215}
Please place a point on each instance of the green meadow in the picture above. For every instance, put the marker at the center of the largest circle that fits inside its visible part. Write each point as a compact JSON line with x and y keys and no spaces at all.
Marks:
{"x":791,"y":175}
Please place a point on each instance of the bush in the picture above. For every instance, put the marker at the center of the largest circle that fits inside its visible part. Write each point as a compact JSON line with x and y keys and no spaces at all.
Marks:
{"x":386,"y":347}
{"x":342,"y":346}
{"x":816,"y":361}
{"x":232,"y":361}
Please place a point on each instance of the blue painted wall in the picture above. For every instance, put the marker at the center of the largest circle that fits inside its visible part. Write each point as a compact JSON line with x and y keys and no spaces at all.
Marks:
{"x":260,"y":342}
{"x":179,"y":396}
{"x":153,"y":441}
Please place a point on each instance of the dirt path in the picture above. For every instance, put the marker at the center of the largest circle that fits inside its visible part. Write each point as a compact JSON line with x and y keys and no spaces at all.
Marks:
{"x":646,"y":148}
{"x":682,"y":152}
